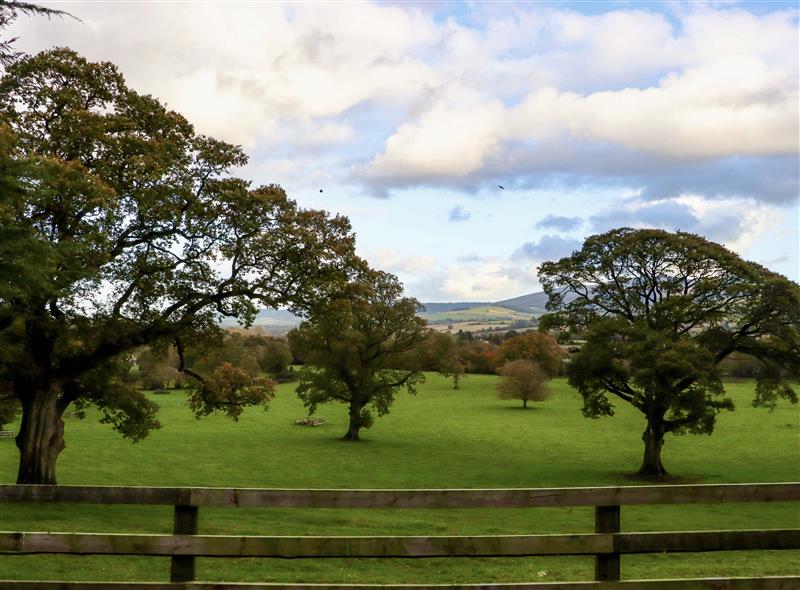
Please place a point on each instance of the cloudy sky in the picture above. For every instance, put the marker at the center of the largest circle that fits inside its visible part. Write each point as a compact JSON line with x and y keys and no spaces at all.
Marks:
{"x":408,"y":116}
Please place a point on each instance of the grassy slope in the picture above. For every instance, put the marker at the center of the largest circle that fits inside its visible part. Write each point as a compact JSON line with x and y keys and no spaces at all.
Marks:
{"x":443,"y":438}
{"x":477,"y":314}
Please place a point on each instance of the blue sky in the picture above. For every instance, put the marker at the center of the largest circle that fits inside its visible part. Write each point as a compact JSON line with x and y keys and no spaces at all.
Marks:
{"x":408,"y":116}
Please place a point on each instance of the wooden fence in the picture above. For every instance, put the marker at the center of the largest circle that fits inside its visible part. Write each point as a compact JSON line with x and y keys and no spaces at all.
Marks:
{"x":607,"y":544}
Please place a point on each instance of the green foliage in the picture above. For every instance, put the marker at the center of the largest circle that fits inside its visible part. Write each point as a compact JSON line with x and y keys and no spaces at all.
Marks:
{"x":359,"y":347}
{"x":126,"y":409}
{"x":229,"y":389}
{"x":273,"y":354}
{"x":439,"y":351}
{"x":158,"y":368}
{"x":112,"y":231}
{"x":661,"y":311}
{"x":234,"y":350}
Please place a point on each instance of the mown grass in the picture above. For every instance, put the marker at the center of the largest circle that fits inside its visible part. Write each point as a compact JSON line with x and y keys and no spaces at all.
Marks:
{"x":441,"y":438}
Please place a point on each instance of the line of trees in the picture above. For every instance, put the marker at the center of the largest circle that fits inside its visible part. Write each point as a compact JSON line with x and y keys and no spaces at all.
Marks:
{"x":115,"y":216}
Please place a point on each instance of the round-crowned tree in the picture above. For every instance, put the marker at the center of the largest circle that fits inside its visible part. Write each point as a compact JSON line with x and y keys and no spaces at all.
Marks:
{"x":660,"y":312}
{"x":360,"y":349}
{"x":524,"y":380}
{"x":120,"y":226}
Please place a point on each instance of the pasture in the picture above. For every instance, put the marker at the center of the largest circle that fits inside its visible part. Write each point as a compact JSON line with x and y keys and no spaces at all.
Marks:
{"x":475,"y":318}
{"x":441,"y":438}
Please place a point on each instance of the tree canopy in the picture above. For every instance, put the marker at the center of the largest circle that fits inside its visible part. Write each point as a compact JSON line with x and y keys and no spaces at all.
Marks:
{"x":121,"y":226}
{"x":661,"y":311}
{"x":359,"y":348}
{"x":536,"y":346}
{"x":524,"y":380}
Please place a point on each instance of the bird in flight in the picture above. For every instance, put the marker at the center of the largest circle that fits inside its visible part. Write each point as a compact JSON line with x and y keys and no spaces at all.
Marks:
{"x":501,"y":186}
{"x":320,"y":190}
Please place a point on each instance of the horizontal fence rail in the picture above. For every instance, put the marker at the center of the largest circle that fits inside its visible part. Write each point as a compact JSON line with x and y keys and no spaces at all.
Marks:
{"x":405,"y":546}
{"x":453,"y":498}
{"x":607,"y":543}
{"x":765,"y":583}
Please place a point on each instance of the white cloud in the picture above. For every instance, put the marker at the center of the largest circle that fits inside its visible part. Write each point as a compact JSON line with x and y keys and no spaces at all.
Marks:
{"x":702,"y":102}
{"x":234,"y":71}
{"x":431,"y":278}
{"x":242,"y":73}
{"x":453,"y":138}
{"x":490,"y":280}
{"x":733,"y":107}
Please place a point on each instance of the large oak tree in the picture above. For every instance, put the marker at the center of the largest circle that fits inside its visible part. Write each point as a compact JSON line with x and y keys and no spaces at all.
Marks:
{"x":120,"y":226}
{"x":360,"y":348}
{"x":661,"y":311}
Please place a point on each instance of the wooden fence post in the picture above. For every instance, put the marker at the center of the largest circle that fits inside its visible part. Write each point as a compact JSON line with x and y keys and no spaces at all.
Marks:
{"x":606,"y":566}
{"x":185,"y":523}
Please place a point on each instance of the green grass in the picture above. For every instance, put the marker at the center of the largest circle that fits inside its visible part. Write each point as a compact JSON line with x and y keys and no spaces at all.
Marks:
{"x":441,"y":438}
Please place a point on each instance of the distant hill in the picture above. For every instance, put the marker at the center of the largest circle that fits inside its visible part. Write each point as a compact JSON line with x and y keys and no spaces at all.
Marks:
{"x":280,"y":321}
{"x":274,"y":321}
{"x":530,"y":303}
{"x":533,"y":302}
{"x":458,"y":306}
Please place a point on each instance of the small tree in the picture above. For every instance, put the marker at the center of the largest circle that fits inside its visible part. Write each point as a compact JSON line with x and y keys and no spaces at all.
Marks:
{"x":452,"y":365}
{"x":355,"y":347}
{"x":440,"y":352}
{"x":273,"y":354}
{"x":524,"y":380}
{"x":661,"y":312}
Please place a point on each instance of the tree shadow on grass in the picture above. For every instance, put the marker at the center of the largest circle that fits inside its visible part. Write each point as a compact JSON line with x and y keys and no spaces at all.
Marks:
{"x":507,"y":408}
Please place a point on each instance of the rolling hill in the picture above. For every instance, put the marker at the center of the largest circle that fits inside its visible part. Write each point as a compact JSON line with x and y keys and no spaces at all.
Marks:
{"x":466,"y":315}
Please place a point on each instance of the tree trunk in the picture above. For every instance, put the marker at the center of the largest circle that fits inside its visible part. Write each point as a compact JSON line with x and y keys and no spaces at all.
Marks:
{"x":525,"y":403}
{"x":355,"y":423}
{"x":40,"y":439}
{"x":653,"y":438}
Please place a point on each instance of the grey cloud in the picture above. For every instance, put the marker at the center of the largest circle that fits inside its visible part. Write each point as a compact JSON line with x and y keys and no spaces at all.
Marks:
{"x":559,"y":222}
{"x":774,"y":261}
{"x":570,"y":164}
{"x":672,"y":215}
{"x":548,"y":248}
{"x":458,"y":213}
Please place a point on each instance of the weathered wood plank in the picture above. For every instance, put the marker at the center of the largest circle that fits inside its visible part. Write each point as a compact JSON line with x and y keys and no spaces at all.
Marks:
{"x":454,"y":498}
{"x":697,"y":541}
{"x":293,"y":547}
{"x":767,"y":583}
{"x":405,"y":546}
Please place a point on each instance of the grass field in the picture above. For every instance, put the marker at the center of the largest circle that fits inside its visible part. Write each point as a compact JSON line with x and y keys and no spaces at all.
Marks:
{"x":485,"y":314}
{"x":441,"y":438}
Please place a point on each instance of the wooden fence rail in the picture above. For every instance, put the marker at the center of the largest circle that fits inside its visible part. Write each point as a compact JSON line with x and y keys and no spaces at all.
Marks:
{"x":606,"y":544}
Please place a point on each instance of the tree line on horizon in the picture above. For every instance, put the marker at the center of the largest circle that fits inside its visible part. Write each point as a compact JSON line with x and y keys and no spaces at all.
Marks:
{"x":115,"y":213}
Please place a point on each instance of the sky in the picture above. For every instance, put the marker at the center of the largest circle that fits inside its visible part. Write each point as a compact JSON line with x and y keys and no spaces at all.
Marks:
{"x":409,"y":117}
